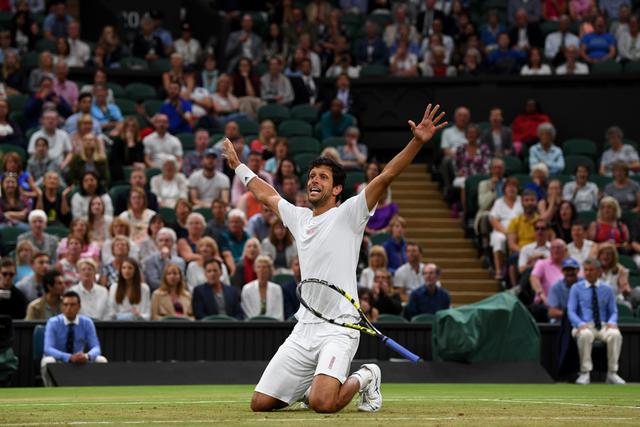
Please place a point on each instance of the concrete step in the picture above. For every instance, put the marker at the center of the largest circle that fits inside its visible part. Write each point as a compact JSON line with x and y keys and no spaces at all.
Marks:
{"x":468,"y":297}
{"x":454,"y":262}
{"x":433,"y":252}
{"x":433,"y":222}
{"x":413,"y":203}
{"x":451,"y":232}
{"x":437,"y":244}
{"x":453,"y":285}
{"x":470,"y":275}
{"x":439,"y":211}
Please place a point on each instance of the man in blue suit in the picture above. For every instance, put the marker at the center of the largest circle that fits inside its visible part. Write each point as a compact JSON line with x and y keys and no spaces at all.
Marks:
{"x":371,"y":50}
{"x":68,"y":335}
{"x":214,"y":297}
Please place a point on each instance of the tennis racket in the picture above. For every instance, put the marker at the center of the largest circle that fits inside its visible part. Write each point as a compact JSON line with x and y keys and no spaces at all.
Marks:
{"x":321,"y":297}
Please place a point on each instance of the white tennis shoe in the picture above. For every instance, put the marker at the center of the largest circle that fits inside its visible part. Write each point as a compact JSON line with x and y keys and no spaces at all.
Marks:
{"x":371,"y":397}
{"x":584,"y":378}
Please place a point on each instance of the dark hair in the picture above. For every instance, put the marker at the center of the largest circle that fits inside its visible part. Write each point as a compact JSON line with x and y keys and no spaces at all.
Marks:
{"x":49,"y":279}
{"x":529,"y":192}
{"x":211,"y":261}
{"x":99,"y":189}
{"x":278,"y":175}
{"x":574,"y":213}
{"x":7,"y":262}
{"x":72,"y":294}
{"x":416,"y":244}
{"x":579,"y":223}
{"x":582,"y":165}
{"x":339,"y":176}
{"x":123,"y":290}
{"x":156,"y":217}
{"x":84,"y":95}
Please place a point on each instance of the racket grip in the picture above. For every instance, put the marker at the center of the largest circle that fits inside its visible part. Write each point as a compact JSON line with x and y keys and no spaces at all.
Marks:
{"x":401,"y":350}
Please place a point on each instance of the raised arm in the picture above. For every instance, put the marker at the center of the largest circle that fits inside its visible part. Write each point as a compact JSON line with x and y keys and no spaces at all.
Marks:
{"x":264,"y":192}
{"x":422,"y":133}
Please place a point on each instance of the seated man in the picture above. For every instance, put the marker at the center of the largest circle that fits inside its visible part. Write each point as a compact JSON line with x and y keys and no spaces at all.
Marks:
{"x":41,"y":241}
{"x":31,"y":286}
{"x":153,"y":265}
{"x":207,"y":184}
{"x":60,"y":148}
{"x":521,"y":230}
{"x":215,"y":297}
{"x":545,"y":273}
{"x":84,"y":103}
{"x":67,"y":335}
{"x":13,"y":303}
{"x":539,"y":249}
{"x":137,"y":179}
{"x":559,"y":293}
{"x":48,"y":305}
{"x":593,"y":314}
{"x":431,"y":297}
{"x":43,"y":100}
{"x":160,"y":144}
{"x":408,"y":276}
{"x":93,"y":297}
{"x":178,"y":110}
{"x":334,"y":122}
{"x":105,"y":112}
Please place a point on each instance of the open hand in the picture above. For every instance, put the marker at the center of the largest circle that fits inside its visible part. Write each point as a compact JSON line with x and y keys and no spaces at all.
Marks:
{"x":425,"y":130}
{"x":229,"y":153}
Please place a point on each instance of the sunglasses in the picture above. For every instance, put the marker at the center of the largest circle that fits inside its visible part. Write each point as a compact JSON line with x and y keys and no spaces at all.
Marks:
{"x":8,"y":274}
{"x":541,"y":228}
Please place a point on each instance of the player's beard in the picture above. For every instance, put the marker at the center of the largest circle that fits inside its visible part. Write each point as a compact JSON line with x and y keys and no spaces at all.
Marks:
{"x":323,"y":200}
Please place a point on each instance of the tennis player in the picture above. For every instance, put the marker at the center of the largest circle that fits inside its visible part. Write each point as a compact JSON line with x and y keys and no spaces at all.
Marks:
{"x":313,"y":363}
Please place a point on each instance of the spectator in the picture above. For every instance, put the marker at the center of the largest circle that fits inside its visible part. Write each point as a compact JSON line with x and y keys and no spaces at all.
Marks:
{"x":137,"y":179}
{"x":31,"y":286}
{"x":335,"y":122}
{"x":193,"y":158}
{"x":167,"y":40}
{"x":366,"y":304}
{"x":343,"y":64}
{"x":64,"y":88}
{"x":616,"y":275}
{"x":213,"y":297}
{"x":626,"y":191}
{"x":437,"y":67}
{"x":178,"y":73}
{"x":525,"y":125}
{"x":275,"y":87}
{"x":12,"y":75}
{"x":275,"y":44}
{"x":371,"y":49}
{"x":155,"y":264}
{"x":563,"y":219}
{"x":207,"y":185}
{"x":454,"y":136}
{"x":45,"y":69}
{"x":280,"y":149}
{"x":183,"y":209}
{"x":24,"y":31}
{"x":520,"y":230}
{"x":161,"y":144}
{"x":377,"y":260}
{"x":497,"y":137}
{"x":559,"y":293}
{"x":470,"y":159}
{"x":84,"y":129}
{"x":146,"y":44}
{"x":404,"y":63}
{"x":129,"y":296}
{"x":14,"y":208}
{"x":629,"y":42}
{"x":353,"y":156}
{"x":12,"y":164}
{"x":53,"y":201}
{"x":188,"y":47}
{"x":170,"y":185}
{"x":505,"y":208}
{"x":279,"y":246}
{"x":598,"y":46}
{"x":382,"y":219}
{"x":127,"y":150}
{"x":42,"y":100}
{"x":195,"y":231}
{"x":491,"y":189}
{"x":56,"y":23}
{"x":525,"y":33}
{"x":83,"y":104}
{"x":67,"y":336}
{"x":79,"y":51}
{"x":244,"y":270}
{"x":385,"y":297}
{"x":207,"y":249}
{"x":408,"y":276}
{"x":557,"y":42}
{"x":536,"y":250}
{"x":580,"y":248}
{"x":431,"y":297}
{"x":535,"y":66}
{"x":350,"y":102}
{"x":24,"y":252}
{"x":137,"y":215}
{"x":90,"y":186}
{"x":41,"y":241}
{"x":504,"y":59}
{"x":581,"y":193}
{"x":177,"y":110}
{"x":99,"y":78}
{"x":172,"y":299}
{"x":39,"y":163}
{"x":79,"y":229}
{"x":225,"y":105}
{"x":611,"y":8}
{"x":254,"y":162}
{"x":13,"y":302}
{"x":107,"y":113}
{"x":305,"y":86}
{"x":48,"y":305}
{"x":246,"y":87}
{"x":396,"y":246}
{"x":551,"y":197}
{"x":98,"y":221}
{"x":607,"y":227}
{"x":618,"y":151}
{"x":10,"y":131}
{"x":119,"y":228}
{"x":532,"y":10}
{"x":148,"y":244}
{"x":94,"y":299}
{"x":545,"y":273}
{"x":287,"y":168}
{"x":554,"y":10}
{"x":593,"y":314}
{"x":90,"y":158}
{"x":490,"y":31}
{"x":218,"y":222}
{"x":243,"y":43}
{"x":262,"y":297}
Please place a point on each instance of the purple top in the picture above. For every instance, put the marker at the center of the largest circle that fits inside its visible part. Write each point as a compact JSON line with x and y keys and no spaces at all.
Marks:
{"x":479,"y":164}
{"x":380,"y":219}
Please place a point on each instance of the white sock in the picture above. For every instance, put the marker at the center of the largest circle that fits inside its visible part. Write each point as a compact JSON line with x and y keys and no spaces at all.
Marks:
{"x":363,"y":376}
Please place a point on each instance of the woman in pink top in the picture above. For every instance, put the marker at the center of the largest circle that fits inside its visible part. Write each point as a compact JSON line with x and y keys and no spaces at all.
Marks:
{"x":80,"y":229}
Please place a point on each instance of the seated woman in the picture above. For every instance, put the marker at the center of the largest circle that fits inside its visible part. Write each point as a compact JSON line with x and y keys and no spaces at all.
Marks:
{"x":99,"y":222}
{"x":261,"y":297}
{"x":225,"y":104}
{"x":127,"y":150}
{"x":377,"y":260}
{"x":504,"y":209}
{"x":207,"y":248}
{"x":187,"y":246}
{"x":170,"y":185}
{"x":148,"y":244}
{"x":137,"y":214}
{"x":177,"y":74}
{"x":582,"y":193}
{"x":280,"y":151}
{"x":608,"y":227}
{"x":266,"y":139}
{"x":286,"y":169}
{"x":353,"y":156}
{"x":119,"y":228}
{"x":548,"y":205}
{"x":563,"y":220}
{"x":172,"y":299}
{"x":54,"y":201}
{"x":626,"y":191}
{"x":280,"y":247}
{"x":183,"y":210}
{"x":244,"y":270}
{"x":24,"y":252}
{"x":91,"y":158}
{"x":67,"y":265}
{"x":120,"y":251}
{"x":12,"y":163}
{"x":615,"y":275}
{"x":385,"y":211}
{"x":14,"y":208}
{"x":470,"y":159}
{"x":246,"y":87}
{"x":80,"y":229}
{"x":372,"y":170}
{"x":539,"y":175}
{"x":89,"y":187}
{"x":129,"y":297}
{"x":84,"y":127}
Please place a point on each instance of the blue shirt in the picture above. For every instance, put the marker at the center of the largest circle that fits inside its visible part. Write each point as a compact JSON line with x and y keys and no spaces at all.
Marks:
{"x":489,"y":37}
{"x":71,"y":124}
{"x":598,"y":45}
{"x":579,"y":306}
{"x":55,"y":337}
{"x":559,"y":295}
{"x":230,"y":243}
{"x":396,"y":253}
{"x":176,"y":123}
{"x":421,"y":302}
{"x":552,"y":158}
{"x":113,"y":113}
{"x":56,"y":26}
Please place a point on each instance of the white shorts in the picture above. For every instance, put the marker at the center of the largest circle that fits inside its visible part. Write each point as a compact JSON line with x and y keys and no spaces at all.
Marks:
{"x":311,"y":349}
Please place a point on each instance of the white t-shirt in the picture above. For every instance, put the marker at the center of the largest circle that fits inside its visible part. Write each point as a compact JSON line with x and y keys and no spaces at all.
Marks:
{"x":452,"y":138}
{"x":209,"y":189}
{"x":503,"y":213}
{"x":159,"y":147}
{"x":328,"y":247}
{"x":59,"y":143}
{"x":406,"y":277}
{"x":532,"y":249}
{"x":580,"y":254}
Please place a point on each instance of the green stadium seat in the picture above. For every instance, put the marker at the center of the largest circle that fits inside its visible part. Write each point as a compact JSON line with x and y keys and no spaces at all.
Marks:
{"x":168,"y":214}
{"x":151,"y":172}
{"x":630,"y":218}
{"x":289,"y":128}
{"x":333,"y":141}
{"x":175,"y":319}
{"x":8,"y":148}
{"x":38,"y":343}
{"x":9,"y":236}
{"x":607,"y":67}
{"x":187,"y":140}
{"x":274,"y":112}
{"x":353,"y":179}
{"x":471,"y":191}
{"x":262,"y":319}
{"x":317,"y":131}
{"x":580,"y":146}
{"x":379,"y":238}
{"x":59,"y":231}
{"x":634,"y":281}
{"x":423,"y":318}
{"x":45,"y":44}
{"x":140,"y":92}
{"x":17,"y":102}
{"x":631,"y":142}
{"x":117,"y":89}
{"x":548,"y":27}
{"x":160,"y":65}
{"x":248,"y":127}
{"x":303,"y":160}
{"x":624,"y":311}
{"x":115,"y":191}
{"x":18,"y":117}
{"x":281,"y":279}
{"x":127,"y":106}
{"x":572,"y":161}
{"x":29,"y":60}
{"x":307,"y":113}
{"x":512,"y":165}
{"x":374,"y":70}
{"x":152,"y":106}
{"x":391,"y":318}
{"x":600,"y":181}
{"x":563,"y":178}
{"x":262,"y":68}
{"x":205,"y":212}
{"x":628,"y":263}
{"x":218,"y":318}
{"x":303,"y":144}
{"x":133,"y":63}
{"x":587,"y":217}
{"x":632,"y":67}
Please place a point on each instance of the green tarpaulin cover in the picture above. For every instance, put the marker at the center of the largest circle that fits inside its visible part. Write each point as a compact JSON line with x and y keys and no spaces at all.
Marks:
{"x":497,"y":329}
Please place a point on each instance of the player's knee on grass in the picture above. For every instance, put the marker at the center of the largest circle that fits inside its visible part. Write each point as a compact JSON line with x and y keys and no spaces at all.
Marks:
{"x":323,"y":397}
{"x":263,"y":403}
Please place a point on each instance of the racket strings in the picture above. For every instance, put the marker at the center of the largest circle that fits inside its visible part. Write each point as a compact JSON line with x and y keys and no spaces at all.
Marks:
{"x":329,"y":303}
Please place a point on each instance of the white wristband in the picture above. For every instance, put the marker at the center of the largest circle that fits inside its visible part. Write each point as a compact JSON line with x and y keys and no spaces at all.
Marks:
{"x":245,"y":174}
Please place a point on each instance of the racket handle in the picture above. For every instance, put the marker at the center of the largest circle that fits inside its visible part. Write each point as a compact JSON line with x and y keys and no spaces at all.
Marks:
{"x":401,"y":350}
